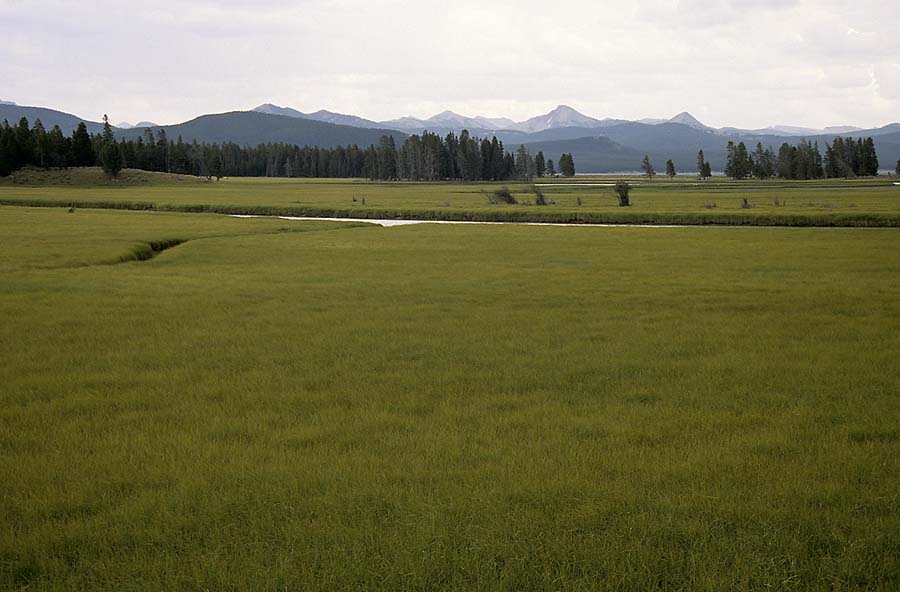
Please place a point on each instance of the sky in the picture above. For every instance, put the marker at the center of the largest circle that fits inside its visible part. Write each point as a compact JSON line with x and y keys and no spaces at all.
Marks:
{"x":809,"y":63}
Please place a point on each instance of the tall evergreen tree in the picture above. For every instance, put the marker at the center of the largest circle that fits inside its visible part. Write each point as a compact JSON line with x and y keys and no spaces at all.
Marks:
{"x":110,"y":155}
{"x":871,"y":157}
{"x":647,"y":167}
{"x":701,"y":165}
{"x":107,"y":135}
{"x":670,"y":169}
{"x":567,"y":165}
{"x":786,"y":158}
{"x":24,"y":154}
{"x":111,"y":159}
{"x":762,"y":165}
{"x":742,"y":162}
{"x":730,"y":160}
{"x":58,"y":148}
{"x":522,"y":163}
{"x":540,"y":166}
{"x":82,"y":147}
{"x":7,"y":149}
{"x":41,"y":143}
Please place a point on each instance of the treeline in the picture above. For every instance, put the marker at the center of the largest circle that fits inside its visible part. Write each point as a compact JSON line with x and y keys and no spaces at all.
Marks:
{"x":21,"y":146}
{"x":423,"y":158}
{"x":431,"y":158}
{"x":844,"y":157}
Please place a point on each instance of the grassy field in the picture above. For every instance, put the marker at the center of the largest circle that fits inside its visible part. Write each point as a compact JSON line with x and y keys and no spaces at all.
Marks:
{"x":276,"y":405}
{"x":863,"y":202}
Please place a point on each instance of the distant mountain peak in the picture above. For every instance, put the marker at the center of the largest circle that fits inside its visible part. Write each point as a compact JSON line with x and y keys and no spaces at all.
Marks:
{"x":685,"y":118}
{"x":271,"y":109}
{"x":266,"y":107}
{"x":841,"y":129}
{"x":448,"y":116}
{"x":11,"y":103}
{"x":561,"y":116}
{"x":320,"y":115}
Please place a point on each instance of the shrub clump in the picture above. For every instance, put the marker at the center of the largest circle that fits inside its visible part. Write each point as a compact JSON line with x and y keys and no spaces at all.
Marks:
{"x":539,"y":199}
{"x":622,"y":190}
{"x":502,"y":195}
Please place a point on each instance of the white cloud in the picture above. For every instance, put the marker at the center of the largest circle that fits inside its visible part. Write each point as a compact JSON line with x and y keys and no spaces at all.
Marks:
{"x":807,"y":62}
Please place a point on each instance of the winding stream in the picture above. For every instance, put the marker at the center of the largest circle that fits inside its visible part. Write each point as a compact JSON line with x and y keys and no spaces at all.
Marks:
{"x":388,"y":223}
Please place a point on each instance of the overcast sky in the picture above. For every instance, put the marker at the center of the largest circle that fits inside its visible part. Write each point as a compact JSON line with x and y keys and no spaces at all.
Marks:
{"x":729,"y":62}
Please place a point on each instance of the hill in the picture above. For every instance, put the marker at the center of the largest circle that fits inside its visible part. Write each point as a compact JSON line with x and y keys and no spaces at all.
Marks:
{"x":679,"y":142}
{"x":591,"y":154}
{"x":321,"y":115}
{"x":49,"y":117}
{"x":250,"y":128}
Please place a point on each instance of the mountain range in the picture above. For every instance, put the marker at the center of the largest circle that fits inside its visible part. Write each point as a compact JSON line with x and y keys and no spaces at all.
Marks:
{"x":562,"y":116}
{"x":597,"y":145}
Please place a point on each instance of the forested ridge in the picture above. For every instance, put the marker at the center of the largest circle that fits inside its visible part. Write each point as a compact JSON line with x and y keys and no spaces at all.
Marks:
{"x":425,"y":157}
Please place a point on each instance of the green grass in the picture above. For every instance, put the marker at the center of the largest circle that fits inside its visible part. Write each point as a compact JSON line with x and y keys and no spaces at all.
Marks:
{"x":862,"y":202}
{"x":446,"y":407}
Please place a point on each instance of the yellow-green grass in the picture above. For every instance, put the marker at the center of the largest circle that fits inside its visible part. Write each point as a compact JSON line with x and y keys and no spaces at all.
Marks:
{"x":101,"y":237}
{"x":685,"y":201}
{"x":446,"y":407}
{"x":95,"y":176}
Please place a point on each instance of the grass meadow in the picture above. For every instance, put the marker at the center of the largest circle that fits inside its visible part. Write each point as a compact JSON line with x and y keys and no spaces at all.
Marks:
{"x":274,"y":405}
{"x":684,"y":200}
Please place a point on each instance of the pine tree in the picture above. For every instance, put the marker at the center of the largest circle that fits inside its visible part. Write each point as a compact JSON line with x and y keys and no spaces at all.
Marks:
{"x":107,"y":134}
{"x":701,"y":165}
{"x":760,"y":168}
{"x":539,"y":166}
{"x":7,"y":149}
{"x":730,"y":160}
{"x":41,"y":146}
{"x":110,"y":154}
{"x":522,"y":165}
{"x":897,"y":170}
{"x":567,"y":165}
{"x":82,"y":147}
{"x":707,"y":170}
{"x":817,"y":170}
{"x":786,"y":158}
{"x":111,"y":159}
{"x":670,"y":169}
{"x":871,"y":157}
{"x":24,"y":149}
{"x":551,"y":171}
{"x":647,"y":167}
{"x":742,"y":162}
{"x":163,"y":155}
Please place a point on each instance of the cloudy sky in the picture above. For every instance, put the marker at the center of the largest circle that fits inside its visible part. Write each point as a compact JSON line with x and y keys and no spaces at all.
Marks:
{"x":729,"y":62}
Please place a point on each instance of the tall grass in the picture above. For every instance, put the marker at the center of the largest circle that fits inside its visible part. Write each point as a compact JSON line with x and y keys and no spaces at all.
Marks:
{"x":576,"y":217}
{"x":819,"y":203}
{"x":446,"y":407}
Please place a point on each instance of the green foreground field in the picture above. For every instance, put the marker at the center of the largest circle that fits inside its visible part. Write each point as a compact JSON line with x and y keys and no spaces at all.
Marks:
{"x":278,"y":405}
{"x":834,"y":202}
